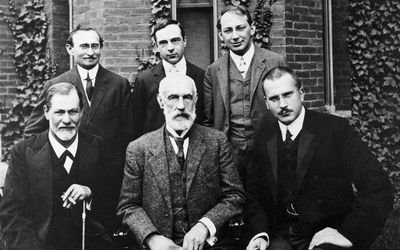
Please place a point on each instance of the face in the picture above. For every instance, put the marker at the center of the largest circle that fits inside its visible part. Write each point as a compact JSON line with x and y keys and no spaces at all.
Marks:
{"x":86,"y":50}
{"x":170,"y":43}
{"x":236,"y":32}
{"x":64,"y":115}
{"x":178,"y":101}
{"x":283,"y":98}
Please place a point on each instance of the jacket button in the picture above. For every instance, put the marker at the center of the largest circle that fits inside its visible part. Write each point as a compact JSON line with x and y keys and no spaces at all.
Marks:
{"x":166,"y":215}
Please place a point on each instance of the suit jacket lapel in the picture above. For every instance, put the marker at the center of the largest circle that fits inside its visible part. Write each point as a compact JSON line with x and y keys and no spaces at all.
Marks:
{"x":258,"y":67}
{"x":159,"y":72}
{"x":308,"y":145}
{"x":40,"y":176}
{"x":195,"y":154}
{"x":223,"y":80}
{"x":159,"y":165}
{"x":100,"y":88}
{"x":272,"y":152}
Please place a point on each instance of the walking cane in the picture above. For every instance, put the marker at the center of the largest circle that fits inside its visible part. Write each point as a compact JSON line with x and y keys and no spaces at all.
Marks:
{"x":83,"y":223}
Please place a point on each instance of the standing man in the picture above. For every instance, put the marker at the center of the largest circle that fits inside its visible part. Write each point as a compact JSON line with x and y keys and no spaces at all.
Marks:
{"x":106,"y":113}
{"x":313,"y":183}
{"x":180,"y":187}
{"x":49,"y":176}
{"x":170,"y":41}
{"x":233,"y":98}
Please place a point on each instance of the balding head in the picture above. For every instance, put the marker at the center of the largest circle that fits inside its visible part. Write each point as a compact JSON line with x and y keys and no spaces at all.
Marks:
{"x":177,"y":96}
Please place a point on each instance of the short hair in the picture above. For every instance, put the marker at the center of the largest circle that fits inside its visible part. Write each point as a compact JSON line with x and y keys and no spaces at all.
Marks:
{"x":62,"y":88}
{"x":80,"y":28}
{"x":238,"y":9}
{"x":161,"y":23}
{"x":174,"y":76}
{"x":278,"y":72}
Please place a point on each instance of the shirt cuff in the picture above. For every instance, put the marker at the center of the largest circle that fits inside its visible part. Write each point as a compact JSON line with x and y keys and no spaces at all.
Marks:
{"x":261,"y":235}
{"x":212,"y":239}
{"x":89,"y":204}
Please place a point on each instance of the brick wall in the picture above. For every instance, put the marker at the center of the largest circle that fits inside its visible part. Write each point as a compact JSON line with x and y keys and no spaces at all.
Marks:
{"x":341,"y":62}
{"x":124,"y":25}
{"x":304,"y":47}
{"x":8,"y":76}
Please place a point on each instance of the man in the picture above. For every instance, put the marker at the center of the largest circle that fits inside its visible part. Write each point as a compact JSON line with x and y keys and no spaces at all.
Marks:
{"x":49,"y":176}
{"x":170,"y":42}
{"x":233,"y":99}
{"x":107,"y":111}
{"x":180,"y":187}
{"x":313,"y":183}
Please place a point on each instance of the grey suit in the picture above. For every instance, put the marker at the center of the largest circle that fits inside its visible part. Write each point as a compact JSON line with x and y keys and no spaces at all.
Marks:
{"x":216,"y":89}
{"x":213,"y":187}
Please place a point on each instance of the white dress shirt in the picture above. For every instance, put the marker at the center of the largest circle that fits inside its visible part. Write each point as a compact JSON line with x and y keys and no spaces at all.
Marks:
{"x":294,"y":127}
{"x":59,"y":150}
{"x":246,"y":57}
{"x":179,"y":67}
{"x":92,"y":75}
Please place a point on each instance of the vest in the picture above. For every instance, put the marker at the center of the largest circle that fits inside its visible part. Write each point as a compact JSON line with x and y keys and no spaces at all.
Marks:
{"x":287,"y":176}
{"x":240,"y":128}
{"x":177,"y":178}
{"x":64,"y":230}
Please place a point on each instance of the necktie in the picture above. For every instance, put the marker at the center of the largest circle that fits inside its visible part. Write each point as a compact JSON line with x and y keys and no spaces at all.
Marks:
{"x":288,"y":141}
{"x":179,"y":142}
{"x":242,"y":66}
{"x":89,"y":87}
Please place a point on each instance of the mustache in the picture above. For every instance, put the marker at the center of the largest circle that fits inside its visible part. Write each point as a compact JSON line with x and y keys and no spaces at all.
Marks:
{"x":284,"y":111}
{"x":182,"y":114}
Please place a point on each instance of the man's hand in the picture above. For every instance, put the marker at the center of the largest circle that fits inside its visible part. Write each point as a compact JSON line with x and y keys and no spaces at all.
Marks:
{"x":196,"y":237}
{"x":74,"y":193}
{"x":257,"y":244}
{"x":159,"y":242}
{"x":330,"y":236}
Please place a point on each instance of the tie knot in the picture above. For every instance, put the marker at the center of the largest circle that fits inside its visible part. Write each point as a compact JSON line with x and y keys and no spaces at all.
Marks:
{"x":288,"y":135}
{"x":64,"y":155}
{"x":88,"y":77}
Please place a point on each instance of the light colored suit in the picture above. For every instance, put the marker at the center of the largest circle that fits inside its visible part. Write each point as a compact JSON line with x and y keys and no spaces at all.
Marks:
{"x":213,"y":187}
{"x":216,"y":89}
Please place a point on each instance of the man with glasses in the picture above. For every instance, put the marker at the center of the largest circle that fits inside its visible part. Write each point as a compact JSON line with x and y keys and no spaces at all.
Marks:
{"x":106,"y":111}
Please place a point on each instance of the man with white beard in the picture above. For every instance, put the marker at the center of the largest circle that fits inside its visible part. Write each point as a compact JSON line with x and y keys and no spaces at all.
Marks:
{"x":180,"y":186}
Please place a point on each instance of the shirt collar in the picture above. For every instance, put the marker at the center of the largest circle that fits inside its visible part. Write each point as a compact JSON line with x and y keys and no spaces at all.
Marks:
{"x":247,"y":56}
{"x":92,"y":73}
{"x":180,"y":66}
{"x":174,"y":133}
{"x":59,"y":149}
{"x":294,"y":127}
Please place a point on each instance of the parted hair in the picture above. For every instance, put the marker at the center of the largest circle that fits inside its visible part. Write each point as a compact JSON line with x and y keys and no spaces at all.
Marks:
{"x":62,"y":88}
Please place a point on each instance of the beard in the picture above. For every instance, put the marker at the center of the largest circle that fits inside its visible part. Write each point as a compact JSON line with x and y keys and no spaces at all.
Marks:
{"x":179,"y":121}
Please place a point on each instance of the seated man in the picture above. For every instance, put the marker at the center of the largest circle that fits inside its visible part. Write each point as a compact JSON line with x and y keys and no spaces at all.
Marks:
{"x":180,"y":186}
{"x":49,"y":176}
{"x":303,"y":175}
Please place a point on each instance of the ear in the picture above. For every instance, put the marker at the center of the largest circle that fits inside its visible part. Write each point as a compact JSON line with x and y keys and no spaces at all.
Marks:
{"x":46,"y":112}
{"x":184,"y":42}
{"x":252,"y":29}
{"x":266,"y":102}
{"x":69,"y":49}
{"x":301,"y":91}
{"x":160,"y":102}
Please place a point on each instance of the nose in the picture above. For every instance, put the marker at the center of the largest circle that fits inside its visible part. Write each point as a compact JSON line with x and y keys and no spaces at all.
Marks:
{"x":66,"y":119}
{"x":235,"y":34}
{"x":170,"y":47}
{"x":282,"y":102}
{"x":180,"y":105}
{"x":89,"y":51}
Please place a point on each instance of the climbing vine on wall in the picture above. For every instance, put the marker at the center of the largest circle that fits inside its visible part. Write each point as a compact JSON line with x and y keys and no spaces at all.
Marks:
{"x":31,"y":58}
{"x":374,"y":50}
{"x":263,"y":23}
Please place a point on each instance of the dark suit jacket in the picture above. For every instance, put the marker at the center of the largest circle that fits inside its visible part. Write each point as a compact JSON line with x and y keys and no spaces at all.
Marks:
{"x":331,"y":158}
{"x":216,"y":89}
{"x":109,"y":116}
{"x":213,"y":187}
{"x":147,"y":112}
{"x":26,"y":208}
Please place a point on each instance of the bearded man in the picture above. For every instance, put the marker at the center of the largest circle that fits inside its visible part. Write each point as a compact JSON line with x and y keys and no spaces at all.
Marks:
{"x":180,"y":186}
